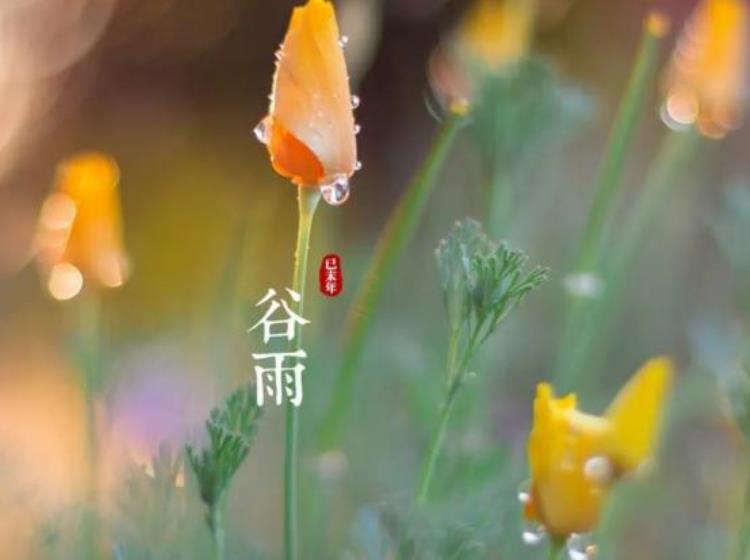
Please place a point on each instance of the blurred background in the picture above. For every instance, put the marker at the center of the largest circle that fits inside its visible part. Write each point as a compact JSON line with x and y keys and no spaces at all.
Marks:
{"x":172,"y":90}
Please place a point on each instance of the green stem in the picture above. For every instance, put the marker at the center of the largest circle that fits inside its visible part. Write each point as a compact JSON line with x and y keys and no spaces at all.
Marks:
{"x":590,"y":316}
{"x":620,"y":140}
{"x":608,"y":181}
{"x":308,"y":199}
{"x":456,"y":370}
{"x":436,"y":445}
{"x":398,"y":231}
{"x":743,"y":539}
{"x":498,"y":202}
{"x":217,"y":529}
{"x":88,"y":333}
{"x":674,"y":154}
{"x":555,"y":549}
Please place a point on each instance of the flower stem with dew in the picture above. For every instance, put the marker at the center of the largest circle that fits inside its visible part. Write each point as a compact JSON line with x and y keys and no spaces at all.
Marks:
{"x":674,"y":154}
{"x":609,"y":178}
{"x":398,"y":231}
{"x":308,"y":199}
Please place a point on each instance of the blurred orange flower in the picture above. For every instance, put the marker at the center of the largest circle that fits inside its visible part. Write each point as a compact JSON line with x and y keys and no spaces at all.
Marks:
{"x":493,"y":36}
{"x":706,"y":83}
{"x":575,"y":457}
{"x":79,"y":235}
{"x":310,"y":130}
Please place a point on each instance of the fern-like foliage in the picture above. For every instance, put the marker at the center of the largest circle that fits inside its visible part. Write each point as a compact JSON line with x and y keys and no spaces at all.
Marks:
{"x":231,"y":430}
{"x":482,"y":280}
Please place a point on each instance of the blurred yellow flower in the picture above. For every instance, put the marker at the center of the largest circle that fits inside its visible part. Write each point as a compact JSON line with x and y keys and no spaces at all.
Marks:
{"x":497,"y":33}
{"x":575,"y":457}
{"x":79,"y":235}
{"x":493,"y":36}
{"x":310,"y":130}
{"x":706,"y":83}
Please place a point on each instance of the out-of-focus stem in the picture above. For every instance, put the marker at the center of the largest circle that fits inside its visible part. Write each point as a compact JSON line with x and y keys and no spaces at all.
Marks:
{"x":743,"y":538}
{"x":88,"y":352}
{"x":608,"y":180}
{"x":620,"y":140}
{"x":308,"y":199}
{"x":498,"y":202}
{"x":669,"y":164}
{"x":398,"y":231}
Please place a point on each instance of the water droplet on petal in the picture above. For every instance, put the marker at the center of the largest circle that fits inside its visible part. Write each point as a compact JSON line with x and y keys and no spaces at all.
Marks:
{"x":343,"y":41}
{"x":598,"y":470}
{"x":524,"y":492}
{"x":581,"y":547}
{"x":358,"y":166}
{"x":336,"y":192}
{"x":357,"y":129}
{"x":261,"y":131}
{"x":355,"y":101}
{"x":533,"y":534}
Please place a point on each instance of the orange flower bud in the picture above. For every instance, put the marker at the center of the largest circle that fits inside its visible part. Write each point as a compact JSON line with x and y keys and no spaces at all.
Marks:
{"x":706,"y":83}
{"x":575,"y":457}
{"x":310,"y":131}
{"x":79,"y":235}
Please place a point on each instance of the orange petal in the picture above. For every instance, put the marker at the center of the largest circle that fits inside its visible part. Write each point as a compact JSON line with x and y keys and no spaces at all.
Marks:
{"x":292,"y":159}
{"x":311,"y":101}
{"x":80,"y":226}
{"x":710,"y":65}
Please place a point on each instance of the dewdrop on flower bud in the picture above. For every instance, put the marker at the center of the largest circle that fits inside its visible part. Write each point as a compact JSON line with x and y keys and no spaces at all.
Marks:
{"x":524,"y":492}
{"x":261,"y":131}
{"x":581,"y":547}
{"x":599,"y":470}
{"x":532,"y":533}
{"x":336,"y":192}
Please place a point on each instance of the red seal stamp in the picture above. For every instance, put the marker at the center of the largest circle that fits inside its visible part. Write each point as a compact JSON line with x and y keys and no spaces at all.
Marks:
{"x":330,"y":275}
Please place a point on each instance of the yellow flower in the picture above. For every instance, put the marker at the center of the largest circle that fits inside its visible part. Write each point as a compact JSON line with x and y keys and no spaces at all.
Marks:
{"x":498,"y":33}
{"x":494,"y":35}
{"x":79,"y":235}
{"x":706,"y":83}
{"x":310,"y":131}
{"x":575,"y":457}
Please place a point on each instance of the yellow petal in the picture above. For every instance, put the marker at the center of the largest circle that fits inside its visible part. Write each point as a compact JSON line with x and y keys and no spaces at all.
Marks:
{"x":635,"y":414}
{"x":562,"y":440}
{"x":498,"y":32}
{"x":311,"y":100}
